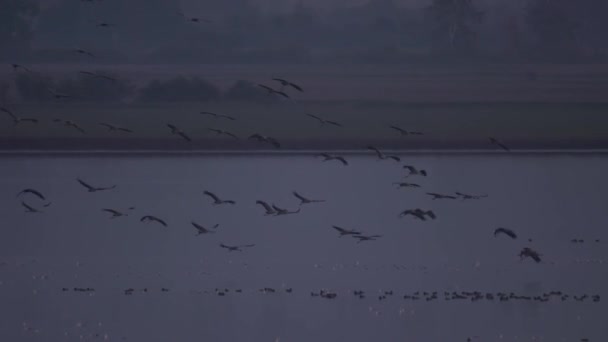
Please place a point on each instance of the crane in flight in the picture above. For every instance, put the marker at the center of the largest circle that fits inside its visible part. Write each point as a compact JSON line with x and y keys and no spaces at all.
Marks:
{"x":177,"y":131}
{"x":114,"y":128}
{"x":271,"y":91}
{"x":304,"y":200}
{"x":216,"y":199}
{"x":344,"y":231}
{"x":267,"y":207}
{"x":218,"y":116}
{"x":17,"y":120}
{"x":328,"y":157}
{"x":238,"y":248}
{"x":91,"y":188}
{"x":505,"y":231}
{"x":150,"y":218}
{"x":285,"y":83}
{"x":323,"y":121}
{"x":202,"y":230}
{"x":263,"y":138}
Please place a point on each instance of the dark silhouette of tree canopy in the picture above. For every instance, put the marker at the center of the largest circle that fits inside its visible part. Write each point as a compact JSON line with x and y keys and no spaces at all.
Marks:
{"x":16,"y":25}
{"x":454,"y":25}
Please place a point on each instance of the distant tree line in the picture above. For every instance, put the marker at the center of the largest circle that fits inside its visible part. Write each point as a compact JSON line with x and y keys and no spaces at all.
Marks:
{"x":379,"y":31}
{"x":40,"y":88}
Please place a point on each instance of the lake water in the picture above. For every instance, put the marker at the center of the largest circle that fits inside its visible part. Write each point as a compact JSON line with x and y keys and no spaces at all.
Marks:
{"x":548,"y":198}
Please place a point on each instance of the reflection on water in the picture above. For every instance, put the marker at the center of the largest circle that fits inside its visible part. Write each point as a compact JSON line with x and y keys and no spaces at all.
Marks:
{"x":73,"y":273}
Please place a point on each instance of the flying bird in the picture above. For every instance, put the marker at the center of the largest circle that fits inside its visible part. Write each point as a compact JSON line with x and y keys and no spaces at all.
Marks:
{"x":440,"y":196}
{"x":281,"y":211}
{"x":304,"y":200}
{"x":328,"y":157}
{"x":91,"y":188}
{"x":193,"y":19}
{"x":113,"y":128}
{"x":235,"y":248}
{"x":344,"y":231}
{"x":469,"y":197}
{"x":222,"y":132}
{"x":267,"y":207}
{"x":217,"y":200}
{"x":150,"y":218}
{"x":419,"y":214}
{"x":272,"y":91}
{"x":323,"y":121}
{"x":177,"y":131}
{"x":16,"y":119}
{"x":114,"y":213}
{"x":71,"y":124}
{"x":505,"y":231}
{"x":413,"y":171}
{"x":105,"y":25}
{"x":35,"y":193}
{"x":96,"y":75}
{"x":219,"y":116}
{"x":84,"y":52}
{"x":203,"y":230}
{"x":285,"y":83}
{"x":59,"y":96}
{"x":363,"y":238}
{"x":499,"y":144}
{"x":528,"y":252}
{"x":405,"y":132}
{"x":263,"y":138}
{"x":381,"y":155}
{"x":406,"y":185}
{"x":29,"y":208}
{"x":16,"y":67}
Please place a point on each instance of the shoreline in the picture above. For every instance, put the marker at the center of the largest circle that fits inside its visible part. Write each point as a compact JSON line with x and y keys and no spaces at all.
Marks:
{"x":218,"y":146}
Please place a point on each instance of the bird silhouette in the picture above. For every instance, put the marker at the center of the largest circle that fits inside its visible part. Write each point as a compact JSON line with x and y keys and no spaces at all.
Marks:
{"x":29,"y":208}
{"x":403,"y":131}
{"x":499,"y":144}
{"x":218,"y":116}
{"x":406,"y":185}
{"x":150,"y":218}
{"x":328,"y":157}
{"x":273,"y":91}
{"x":222,"y":132}
{"x":363,"y":238}
{"x":114,"y":213}
{"x":96,"y":75}
{"x":381,"y":155}
{"x":177,"y":131}
{"x":440,"y":196}
{"x":263,"y":138}
{"x":413,"y":171}
{"x":267,"y":207}
{"x":114,"y":128}
{"x":17,"y":120}
{"x":323,"y":121}
{"x":217,"y":200}
{"x":91,"y":188}
{"x":238,"y":248}
{"x":469,"y":197}
{"x":344,"y":231}
{"x":33,"y":192}
{"x":285,"y":83}
{"x":528,"y":252}
{"x":281,"y":211}
{"x":505,"y":231}
{"x":16,"y":67}
{"x":304,"y":200}
{"x":203,"y":230}
{"x":419,"y":214}
{"x":71,"y":124}
{"x":84,"y":52}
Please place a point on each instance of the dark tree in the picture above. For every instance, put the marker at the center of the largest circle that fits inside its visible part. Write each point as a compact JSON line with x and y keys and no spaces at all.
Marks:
{"x":454,"y":25}
{"x":16,"y":25}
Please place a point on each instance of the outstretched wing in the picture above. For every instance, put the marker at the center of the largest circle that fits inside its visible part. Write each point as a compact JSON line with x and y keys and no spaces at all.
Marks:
{"x":340,"y":229}
{"x":399,"y":129}
{"x":270,"y":90}
{"x":266,"y":206}
{"x":297,"y":87}
{"x":315,"y":117}
{"x":111,"y":211}
{"x":85,"y":184}
{"x":342,"y":160}
{"x":107,"y":125}
{"x":300,"y":197}
{"x":183,"y":135}
{"x":8,"y":112}
{"x":281,"y":93}
{"x":212,"y":195}
{"x":34,"y":192}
